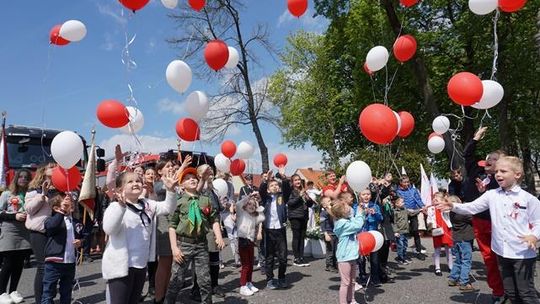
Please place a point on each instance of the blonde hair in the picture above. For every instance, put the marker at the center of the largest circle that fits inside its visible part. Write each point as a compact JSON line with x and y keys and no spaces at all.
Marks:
{"x":515,"y":163}
{"x":454,"y":199}
{"x":41,"y":175}
{"x":438,"y":195}
{"x":340,"y":209}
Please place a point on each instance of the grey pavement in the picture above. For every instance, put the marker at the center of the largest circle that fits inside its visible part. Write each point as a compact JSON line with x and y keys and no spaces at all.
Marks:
{"x":415,"y":283}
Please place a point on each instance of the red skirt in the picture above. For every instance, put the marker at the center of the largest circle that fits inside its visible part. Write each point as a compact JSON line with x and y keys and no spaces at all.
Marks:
{"x":446,"y":238}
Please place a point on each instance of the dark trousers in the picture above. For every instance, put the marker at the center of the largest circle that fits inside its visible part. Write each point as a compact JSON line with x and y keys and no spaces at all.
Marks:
{"x":12,"y":268}
{"x":413,"y":229}
{"x":58,"y":274}
{"x":276,"y":245}
{"x":127,"y":290}
{"x":331,"y":252}
{"x":518,"y":279}
{"x":152,"y":267}
{"x":214,"y":273}
{"x":38,"y":241}
{"x":374,"y":271}
{"x":198,"y":255}
{"x":383,"y":253}
{"x":298,"y":227}
{"x":245,"y":250}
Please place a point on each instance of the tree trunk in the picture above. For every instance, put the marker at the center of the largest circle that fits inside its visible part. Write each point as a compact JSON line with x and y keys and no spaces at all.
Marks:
{"x":421,"y":74}
{"x":527,"y":162}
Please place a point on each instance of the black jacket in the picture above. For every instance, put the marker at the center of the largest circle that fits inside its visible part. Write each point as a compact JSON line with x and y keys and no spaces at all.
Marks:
{"x":474,"y":171}
{"x":297,"y":206}
{"x":282,"y":198}
{"x":462,"y":229}
{"x":55,"y":229}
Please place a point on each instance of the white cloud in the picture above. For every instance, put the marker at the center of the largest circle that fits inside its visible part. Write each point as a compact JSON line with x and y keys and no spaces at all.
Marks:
{"x":167,"y":105}
{"x":308,"y":22}
{"x":109,"y":44}
{"x":116,"y":14}
{"x":149,"y":144}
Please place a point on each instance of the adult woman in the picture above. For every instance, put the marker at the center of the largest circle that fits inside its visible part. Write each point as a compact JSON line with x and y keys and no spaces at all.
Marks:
{"x":298,"y":204}
{"x":37,"y":210}
{"x":14,"y":237}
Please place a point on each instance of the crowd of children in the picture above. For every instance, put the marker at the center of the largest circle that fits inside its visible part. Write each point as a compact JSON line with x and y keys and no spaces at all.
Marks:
{"x":165,"y":223}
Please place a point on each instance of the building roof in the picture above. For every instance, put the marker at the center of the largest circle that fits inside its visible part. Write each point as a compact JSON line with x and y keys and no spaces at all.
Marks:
{"x":308,"y":174}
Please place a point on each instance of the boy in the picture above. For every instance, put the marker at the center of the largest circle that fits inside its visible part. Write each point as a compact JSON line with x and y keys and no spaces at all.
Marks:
{"x":327,"y":228}
{"x":63,"y":238}
{"x":274,"y":199}
{"x":401,"y":229}
{"x":189,"y":224}
{"x":463,"y":235}
{"x":515,"y":215}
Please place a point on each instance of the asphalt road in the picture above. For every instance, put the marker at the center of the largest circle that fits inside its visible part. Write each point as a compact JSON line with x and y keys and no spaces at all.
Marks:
{"x":415,"y":283}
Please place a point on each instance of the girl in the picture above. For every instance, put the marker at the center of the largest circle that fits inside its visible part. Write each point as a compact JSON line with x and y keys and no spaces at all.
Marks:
{"x":14,"y":237}
{"x":148,"y":192}
{"x":373,"y":219}
{"x":297,"y":206}
{"x":149,"y":178}
{"x":37,"y":210}
{"x":441,"y":234}
{"x":128,"y":222}
{"x":249,"y":218}
{"x":346,"y":228}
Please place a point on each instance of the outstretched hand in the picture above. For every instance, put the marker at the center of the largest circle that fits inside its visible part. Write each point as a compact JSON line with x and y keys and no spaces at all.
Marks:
{"x":480,"y":133}
{"x":170,"y":180}
{"x":443,"y":205}
{"x":281,"y":170}
{"x":185,"y":163}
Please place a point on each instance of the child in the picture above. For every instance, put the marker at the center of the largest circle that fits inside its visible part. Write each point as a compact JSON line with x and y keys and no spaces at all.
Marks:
{"x":249,"y":218}
{"x":330,"y":239}
{"x":63,"y":239}
{"x":193,"y":217}
{"x":401,"y":230}
{"x":441,"y":234}
{"x":462,"y":235}
{"x":274,"y":199}
{"x":373,"y":219}
{"x":348,"y":198}
{"x":515,"y":215}
{"x":128,"y":222}
{"x":346,"y":228}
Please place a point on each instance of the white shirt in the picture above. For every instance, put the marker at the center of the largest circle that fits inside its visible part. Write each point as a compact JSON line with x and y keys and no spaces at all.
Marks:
{"x":69,"y":253}
{"x":513,"y":213}
{"x":273,"y":222}
{"x":138,"y":237}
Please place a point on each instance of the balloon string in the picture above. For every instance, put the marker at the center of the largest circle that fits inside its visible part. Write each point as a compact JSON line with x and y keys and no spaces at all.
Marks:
{"x":495,"y":45}
{"x":386,"y":85}
{"x":188,"y":44}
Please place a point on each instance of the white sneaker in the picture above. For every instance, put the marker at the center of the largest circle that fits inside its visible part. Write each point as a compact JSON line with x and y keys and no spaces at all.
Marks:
{"x":251,"y":287}
{"x":5,"y":299}
{"x":245,"y":291}
{"x":16,"y":297}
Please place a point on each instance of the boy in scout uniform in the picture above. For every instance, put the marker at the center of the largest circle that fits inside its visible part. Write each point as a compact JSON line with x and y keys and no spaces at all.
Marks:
{"x":189,"y":224}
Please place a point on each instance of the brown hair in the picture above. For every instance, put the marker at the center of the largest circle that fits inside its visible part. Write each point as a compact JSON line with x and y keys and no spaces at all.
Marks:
{"x":14,"y":188}
{"x":56,"y":200}
{"x":40,"y":176}
{"x":340,"y":209}
{"x":454,"y":199}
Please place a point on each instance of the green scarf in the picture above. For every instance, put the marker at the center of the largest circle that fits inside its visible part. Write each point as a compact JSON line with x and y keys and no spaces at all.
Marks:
{"x":194,"y":216}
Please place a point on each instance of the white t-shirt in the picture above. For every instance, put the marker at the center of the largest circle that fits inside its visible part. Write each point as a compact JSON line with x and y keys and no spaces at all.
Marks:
{"x":138,"y":236}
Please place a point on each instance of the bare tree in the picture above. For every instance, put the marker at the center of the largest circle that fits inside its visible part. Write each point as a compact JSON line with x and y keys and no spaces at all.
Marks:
{"x":240,"y":101}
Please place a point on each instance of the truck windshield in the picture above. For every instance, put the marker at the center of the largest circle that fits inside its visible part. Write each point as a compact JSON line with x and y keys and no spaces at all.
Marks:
{"x":27,"y":152}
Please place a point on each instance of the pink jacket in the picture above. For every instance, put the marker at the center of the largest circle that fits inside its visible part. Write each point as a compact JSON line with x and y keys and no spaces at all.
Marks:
{"x":37,"y":210}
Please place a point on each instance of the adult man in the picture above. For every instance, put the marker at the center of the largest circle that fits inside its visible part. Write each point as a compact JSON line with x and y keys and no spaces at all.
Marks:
{"x":455,"y":187}
{"x":477,"y":182}
{"x":334,"y":187}
{"x":248,"y":188}
{"x":414,"y":204}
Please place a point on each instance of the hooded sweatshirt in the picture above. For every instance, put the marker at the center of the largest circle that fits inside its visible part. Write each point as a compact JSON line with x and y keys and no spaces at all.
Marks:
{"x":346,"y":230}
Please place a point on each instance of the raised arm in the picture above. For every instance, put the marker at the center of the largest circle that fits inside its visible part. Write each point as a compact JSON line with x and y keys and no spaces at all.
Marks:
{"x":479,"y":205}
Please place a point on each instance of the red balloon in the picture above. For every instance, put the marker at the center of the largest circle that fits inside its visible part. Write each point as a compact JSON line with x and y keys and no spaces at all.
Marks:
{"x":197,"y":4}
{"x":408,"y":3}
{"x":297,"y":7}
{"x":228,"y":148}
{"x":405,"y":48}
{"x":434,"y":134}
{"x":407,"y":124}
{"x":112,"y":113}
{"x":134,"y":4}
{"x":366,"y":69}
{"x":216,"y":54}
{"x":237,"y":167}
{"x":188,"y":129}
{"x":378,"y":123}
{"x":465,"y":88}
{"x":366,"y":243}
{"x":66,"y":180}
{"x":511,"y":6}
{"x":54,"y":36}
{"x":280,"y":160}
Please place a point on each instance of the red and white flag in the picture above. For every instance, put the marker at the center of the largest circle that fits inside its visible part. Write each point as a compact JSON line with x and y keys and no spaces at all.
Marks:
{"x":425,"y":187}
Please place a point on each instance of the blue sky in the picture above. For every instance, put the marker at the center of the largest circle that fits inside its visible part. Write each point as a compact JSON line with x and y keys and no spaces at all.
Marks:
{"x":60,"y":87}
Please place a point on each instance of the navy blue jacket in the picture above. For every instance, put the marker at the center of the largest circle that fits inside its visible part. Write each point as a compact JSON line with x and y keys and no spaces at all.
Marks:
{"x":55,"y":229}
{"x":327,"y":222}
{"x":266,"y":202}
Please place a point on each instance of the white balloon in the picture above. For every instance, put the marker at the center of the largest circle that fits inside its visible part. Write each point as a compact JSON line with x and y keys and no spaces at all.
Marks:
{"x":436,"y":144}
{"x":379,"y":240}
{"x":245,"y":150}
{"x":136,"y":121}
{"x":178,"y":75}
{"x":73,"y":30}
{"x":358,"y":175}
{"x":493,"y":94}
{"x":221,"y":187}
{"x":67,"y":149}
{"x":398,"y":121}
{"x":197,"y":105}
{"x":441,"y":124}
{"x":377,"y":58}
{"x":483,"y":7}
{"x":222,"y":163}
{"x":170,"y":4}
{"x":233,"y":58}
